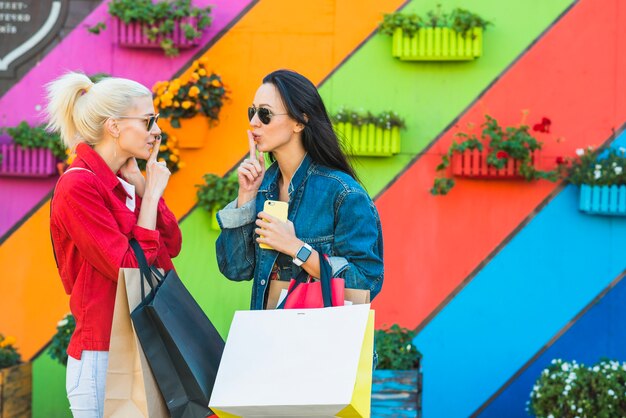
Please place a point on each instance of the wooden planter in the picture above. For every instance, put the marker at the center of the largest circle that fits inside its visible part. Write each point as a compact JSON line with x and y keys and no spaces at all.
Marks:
{"x":397,"y":393}
{"x":192,"y":134}
{"x":369,"y":140}
{"x":437,"y":44}
{"x":133,"y":35}
{"x":27,"y":162}
{"x":473,"y":163}
{"x":603,"y":200}
{"x":16,"y":391}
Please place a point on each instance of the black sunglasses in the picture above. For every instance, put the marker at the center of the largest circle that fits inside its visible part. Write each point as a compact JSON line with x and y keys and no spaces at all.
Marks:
{"x":265,"y":115}
{"x":150,"y":120}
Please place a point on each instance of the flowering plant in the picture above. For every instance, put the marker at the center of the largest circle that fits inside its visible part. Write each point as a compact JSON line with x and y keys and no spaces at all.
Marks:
{"x":202,"y":92}
{"x":503,"y":144}
{"x":168,"y":152}
{"x":8,"y":353}
{"x":386,"y":120}
{"x":595,"y":167}
{"x":58,"y":346}
{"x":395,"y":348}
{"x":568,"y":389}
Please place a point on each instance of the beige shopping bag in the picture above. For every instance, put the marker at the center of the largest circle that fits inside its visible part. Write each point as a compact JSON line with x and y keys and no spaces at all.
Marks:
{"x":297,"y":363}
{"x":278,"y":290}
{"x":131,"y":391}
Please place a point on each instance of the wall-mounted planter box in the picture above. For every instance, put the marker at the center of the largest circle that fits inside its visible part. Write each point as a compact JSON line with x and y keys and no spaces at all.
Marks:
{"x":437,"y":44}
{"x":133,"y":35}
{"x":603,"y":200}
{"x":27,"y":162}
{"x":473,"y":163}
{"x":192,"y":134}
{"x":369,"y":140}
{"x":397,"y":393}
{"x":16,"y":390}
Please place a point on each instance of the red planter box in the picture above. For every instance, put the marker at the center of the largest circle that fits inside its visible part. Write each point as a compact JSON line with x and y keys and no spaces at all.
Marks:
{"x":473,"y":163}
{"x":27,"y":162}
{"x":134,"y":34}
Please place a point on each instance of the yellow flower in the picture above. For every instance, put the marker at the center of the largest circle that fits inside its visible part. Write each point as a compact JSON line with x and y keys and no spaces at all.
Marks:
{"x":193,"y":91}
{"x":156,"y":102}
{"x":181,"y":164}
{"x":216,"y":83}
{"x":175,"y":151}
{"x":202,"y":71}
{"x":173,"y":158}
{"x":71,"y":158}
{"x":187,"y":104}
{"x":163,"y":148}
{"x":161,"y":160}
{"x":10,"y":340}
{"x":204,"y":60}
{"x":177,"y":104}
{"x":194,"y":77}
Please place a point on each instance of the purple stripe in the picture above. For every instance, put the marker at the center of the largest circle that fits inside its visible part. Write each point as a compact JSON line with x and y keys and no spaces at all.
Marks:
{"x":90,"y":53}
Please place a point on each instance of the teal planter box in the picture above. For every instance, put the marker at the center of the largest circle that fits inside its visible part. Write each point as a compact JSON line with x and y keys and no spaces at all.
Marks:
{"x":603,"y":200}
{"x":397,"y":393}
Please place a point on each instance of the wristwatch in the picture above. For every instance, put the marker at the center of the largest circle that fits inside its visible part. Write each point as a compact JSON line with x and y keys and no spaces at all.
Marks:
{"x":302,"y":255}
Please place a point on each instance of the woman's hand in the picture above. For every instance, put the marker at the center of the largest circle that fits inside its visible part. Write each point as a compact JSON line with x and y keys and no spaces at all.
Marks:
{"x":131,"y":172}
{"x":250,"y":174}
{"x":279,"y":235}
{"x":157,"y":174}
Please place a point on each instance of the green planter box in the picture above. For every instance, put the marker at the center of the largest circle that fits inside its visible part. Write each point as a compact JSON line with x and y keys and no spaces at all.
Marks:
{"x":437,"y":44}
{"x":369,"y":140}
{"x":603,"y":200}
{"x":214,"y":224}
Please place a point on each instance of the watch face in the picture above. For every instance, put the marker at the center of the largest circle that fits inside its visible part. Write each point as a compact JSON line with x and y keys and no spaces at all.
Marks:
{"x":303,"y":254}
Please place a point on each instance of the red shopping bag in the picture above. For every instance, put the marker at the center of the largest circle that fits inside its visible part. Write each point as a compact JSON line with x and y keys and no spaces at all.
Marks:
{"x":304,"y":293}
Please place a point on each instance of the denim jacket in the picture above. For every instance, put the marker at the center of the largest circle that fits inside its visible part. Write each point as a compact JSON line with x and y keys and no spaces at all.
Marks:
{"x":330,"y":211}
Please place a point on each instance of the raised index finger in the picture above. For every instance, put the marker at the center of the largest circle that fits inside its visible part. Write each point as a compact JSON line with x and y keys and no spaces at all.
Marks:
{"x":252,"y":146}
{"x":155,"y":150}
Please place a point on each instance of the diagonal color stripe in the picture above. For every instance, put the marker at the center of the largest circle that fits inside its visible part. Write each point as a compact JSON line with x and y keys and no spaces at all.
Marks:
{"x":447,"y":237}
{"x":311,"y":38}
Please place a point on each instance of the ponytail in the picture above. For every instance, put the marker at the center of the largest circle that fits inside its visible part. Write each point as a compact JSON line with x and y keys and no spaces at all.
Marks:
{"x":77,"y":108}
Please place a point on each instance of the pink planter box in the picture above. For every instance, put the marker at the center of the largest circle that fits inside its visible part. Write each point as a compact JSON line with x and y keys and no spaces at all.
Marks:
{"x":473,"y":163}
{"x":134,"y":34}
{"x":27,"y":162}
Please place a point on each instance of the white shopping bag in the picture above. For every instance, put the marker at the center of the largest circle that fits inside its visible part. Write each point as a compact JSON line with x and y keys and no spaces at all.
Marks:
{"x":297,"y":363}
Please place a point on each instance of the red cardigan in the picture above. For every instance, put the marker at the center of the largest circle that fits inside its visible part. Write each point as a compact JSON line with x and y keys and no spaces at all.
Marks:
{"x":90,"y":226}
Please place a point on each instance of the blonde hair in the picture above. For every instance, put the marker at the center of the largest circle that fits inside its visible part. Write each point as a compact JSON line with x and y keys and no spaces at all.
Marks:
{"x":78,"y":108}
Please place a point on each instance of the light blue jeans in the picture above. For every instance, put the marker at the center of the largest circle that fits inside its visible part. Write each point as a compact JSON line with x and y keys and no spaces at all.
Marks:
{"x":84,"y":383}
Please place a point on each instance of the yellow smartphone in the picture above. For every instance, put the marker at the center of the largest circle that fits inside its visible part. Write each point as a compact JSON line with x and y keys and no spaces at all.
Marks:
{"x":277,"y":209}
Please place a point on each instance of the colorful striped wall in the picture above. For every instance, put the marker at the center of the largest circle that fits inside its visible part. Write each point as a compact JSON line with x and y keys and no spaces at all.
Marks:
{"x":498,"y":277}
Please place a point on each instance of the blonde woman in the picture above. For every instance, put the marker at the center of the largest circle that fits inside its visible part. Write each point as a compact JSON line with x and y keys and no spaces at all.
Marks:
{"x":99,"y":204}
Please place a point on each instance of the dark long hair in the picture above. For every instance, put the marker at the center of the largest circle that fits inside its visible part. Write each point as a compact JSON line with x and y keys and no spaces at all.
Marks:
{"x":301,"y":98}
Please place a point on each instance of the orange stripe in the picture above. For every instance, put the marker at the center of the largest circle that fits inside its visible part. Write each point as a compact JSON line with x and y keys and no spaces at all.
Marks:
{"x":309,"y":37}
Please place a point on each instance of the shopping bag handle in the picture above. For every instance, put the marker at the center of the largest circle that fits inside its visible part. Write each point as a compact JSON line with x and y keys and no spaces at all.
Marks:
{"x":326,"y":272}
{"x":146,"y":271}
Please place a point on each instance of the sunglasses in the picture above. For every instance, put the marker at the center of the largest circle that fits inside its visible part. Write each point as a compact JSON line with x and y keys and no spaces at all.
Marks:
{"x":265,"y":115}
{"x":150,"y":120}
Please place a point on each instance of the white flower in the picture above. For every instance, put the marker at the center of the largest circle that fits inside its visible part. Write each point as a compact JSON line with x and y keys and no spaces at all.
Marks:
{"x":573,"y":407}
{"x":597,"y":174}
{"x":565,"y":367}
{"x":598,"y":167}
{"x":550,"y":416}
{"x":62,"y":323}
{"x":568,"y":388}
{"x":580,"y":152}
{"x":618,"y":170}
{"x":611,"y":392}
{"x":596,"y":369}
{"x":622,"y":150}
{"x":579,"y":410}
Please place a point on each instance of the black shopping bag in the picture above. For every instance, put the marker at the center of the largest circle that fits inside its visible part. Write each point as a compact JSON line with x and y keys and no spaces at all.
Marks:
{"x":182,"y":346}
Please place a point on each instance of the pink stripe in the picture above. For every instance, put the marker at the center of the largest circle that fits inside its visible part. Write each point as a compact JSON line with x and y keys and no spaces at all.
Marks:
{"x":81,"y":50}
{"x":91,"y":53}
